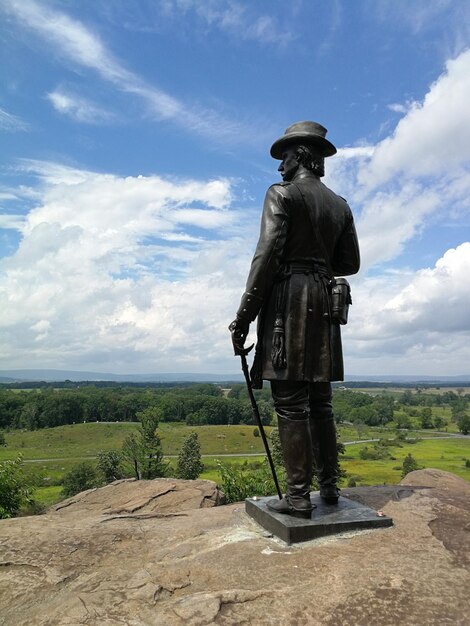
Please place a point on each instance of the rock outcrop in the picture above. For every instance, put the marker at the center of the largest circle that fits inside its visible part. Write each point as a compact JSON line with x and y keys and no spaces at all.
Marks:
{"x":160,"y":553}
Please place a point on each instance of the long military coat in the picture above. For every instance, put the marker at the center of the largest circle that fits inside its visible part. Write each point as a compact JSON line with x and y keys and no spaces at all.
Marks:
{"x":312,"y":341}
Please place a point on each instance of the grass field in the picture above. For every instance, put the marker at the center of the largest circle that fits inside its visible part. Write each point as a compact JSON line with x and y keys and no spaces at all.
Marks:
{"x":80,"y":441}
{"x":50,"y":453}
{"x":445,"y":454}
{"x":86,"y":440}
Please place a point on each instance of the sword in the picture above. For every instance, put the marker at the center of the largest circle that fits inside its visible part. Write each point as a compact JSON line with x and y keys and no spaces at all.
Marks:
{"x":242,"y":352}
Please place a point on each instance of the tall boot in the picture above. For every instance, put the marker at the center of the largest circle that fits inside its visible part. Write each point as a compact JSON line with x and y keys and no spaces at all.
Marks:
{"x":325,"y":454}
{"x":296,"y":443}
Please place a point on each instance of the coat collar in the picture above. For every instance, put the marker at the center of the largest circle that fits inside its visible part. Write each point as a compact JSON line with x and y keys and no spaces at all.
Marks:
{"x":305,"y":175}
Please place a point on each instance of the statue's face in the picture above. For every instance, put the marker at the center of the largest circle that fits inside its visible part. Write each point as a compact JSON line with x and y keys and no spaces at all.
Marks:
{"x":289,"y":164}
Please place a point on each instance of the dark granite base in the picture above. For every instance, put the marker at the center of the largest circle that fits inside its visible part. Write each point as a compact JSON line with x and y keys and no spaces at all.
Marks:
{"x":325,"y":519}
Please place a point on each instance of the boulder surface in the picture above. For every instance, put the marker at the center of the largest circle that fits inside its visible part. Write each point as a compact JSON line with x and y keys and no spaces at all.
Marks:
{"x":144,"y":553}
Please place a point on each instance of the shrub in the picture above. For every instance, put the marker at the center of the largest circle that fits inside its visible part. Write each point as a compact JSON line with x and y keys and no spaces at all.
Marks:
{"x":409,"y":465}
{"x":109,"y":465}
{"x":80,"y":478}
{"x":15,"y":487}
{"x":239,"y":483}
{"x":377,"y":452}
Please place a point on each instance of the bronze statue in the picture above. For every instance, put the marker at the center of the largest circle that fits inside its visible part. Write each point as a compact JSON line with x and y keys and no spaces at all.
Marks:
{"x":307,"y":238}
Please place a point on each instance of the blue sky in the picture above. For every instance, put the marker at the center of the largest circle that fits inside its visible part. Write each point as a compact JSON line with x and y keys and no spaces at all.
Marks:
{"x":135,"y":142}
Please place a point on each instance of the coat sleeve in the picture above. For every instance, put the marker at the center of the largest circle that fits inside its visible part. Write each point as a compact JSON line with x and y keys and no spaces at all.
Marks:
{"x":346,"y":258}
{"x":268,"y":254}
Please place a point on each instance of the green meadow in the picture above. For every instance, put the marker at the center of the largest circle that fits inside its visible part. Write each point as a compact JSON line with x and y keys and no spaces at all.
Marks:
{"x":49,"y":453}
{"x":448,"y":454}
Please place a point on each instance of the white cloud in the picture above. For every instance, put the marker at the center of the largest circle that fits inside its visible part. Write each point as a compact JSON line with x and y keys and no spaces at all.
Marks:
{"x":109,"y":274}
{"x":417,"y":321}
{"x":421,"y":170}
{"x":71,"y":39}
{"x":78,"y":108}
{"x":10,"y":221}
{"x":234,"y":18}
{"x":11,"y":123}
{"x":412,"y":321}
{"x":398,"y":108}
{"x":433,"y":136}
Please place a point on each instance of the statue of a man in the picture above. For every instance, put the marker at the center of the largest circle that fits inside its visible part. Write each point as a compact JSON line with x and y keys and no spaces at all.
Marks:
{"x":307,"y":238}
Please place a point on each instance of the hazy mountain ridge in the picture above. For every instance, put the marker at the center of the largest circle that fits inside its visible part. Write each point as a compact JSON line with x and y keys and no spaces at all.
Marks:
{"x":52,"y":375}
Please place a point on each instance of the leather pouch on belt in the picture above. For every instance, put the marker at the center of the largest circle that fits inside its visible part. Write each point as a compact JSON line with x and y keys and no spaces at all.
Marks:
{"x":340,"y":301}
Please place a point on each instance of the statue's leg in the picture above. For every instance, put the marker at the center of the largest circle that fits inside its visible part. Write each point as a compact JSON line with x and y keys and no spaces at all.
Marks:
{"x":291,"y":404}
{"x":323,"y":433}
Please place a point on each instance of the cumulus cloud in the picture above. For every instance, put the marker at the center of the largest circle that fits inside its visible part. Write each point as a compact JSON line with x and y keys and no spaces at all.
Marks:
{"x":412,"y":321}
{"x":122,"y":273}
{"x":421,"y":169}
{"x":434,"y":134}
{"x":418,"y":321}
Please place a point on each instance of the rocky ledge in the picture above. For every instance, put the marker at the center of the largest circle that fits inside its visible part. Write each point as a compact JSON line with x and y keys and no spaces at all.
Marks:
{"x":162,"y":553}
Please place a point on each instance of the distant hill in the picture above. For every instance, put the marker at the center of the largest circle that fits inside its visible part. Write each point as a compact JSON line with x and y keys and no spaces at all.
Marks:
{"x":415,"y":378}
{"x":12,"y":376}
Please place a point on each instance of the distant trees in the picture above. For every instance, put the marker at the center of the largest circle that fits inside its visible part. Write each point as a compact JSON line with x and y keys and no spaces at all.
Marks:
{"x":193,"y":404}
{"x":352,"y":406}
{"x":403,"y":420}
{"x":464,"y":423}
{"x":200,"y":404}
{"x":425,"y":417}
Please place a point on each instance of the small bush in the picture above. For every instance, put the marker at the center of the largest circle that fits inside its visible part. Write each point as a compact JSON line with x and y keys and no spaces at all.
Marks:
{"x":80,"y":478}
{"x":239,"y":483}
{"x":376,"y":453}
{"x":409,"y":465}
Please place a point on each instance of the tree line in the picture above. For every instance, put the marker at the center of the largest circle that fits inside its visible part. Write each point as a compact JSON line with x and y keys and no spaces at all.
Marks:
{"x":195,"y":404}
{"x":200,"y":404}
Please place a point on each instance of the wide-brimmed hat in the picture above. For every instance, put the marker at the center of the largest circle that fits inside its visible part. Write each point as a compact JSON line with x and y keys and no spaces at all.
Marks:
{"x":309,"y":133}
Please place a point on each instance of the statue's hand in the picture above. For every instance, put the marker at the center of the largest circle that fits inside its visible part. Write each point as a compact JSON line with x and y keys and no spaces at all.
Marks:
{"x":239,"y":330}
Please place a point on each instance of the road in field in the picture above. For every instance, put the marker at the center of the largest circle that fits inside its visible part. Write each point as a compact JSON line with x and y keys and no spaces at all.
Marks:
{"x":237,"y":454}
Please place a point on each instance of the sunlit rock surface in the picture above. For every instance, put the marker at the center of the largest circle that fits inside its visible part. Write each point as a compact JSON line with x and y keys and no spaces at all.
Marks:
{"x":161,"y":553}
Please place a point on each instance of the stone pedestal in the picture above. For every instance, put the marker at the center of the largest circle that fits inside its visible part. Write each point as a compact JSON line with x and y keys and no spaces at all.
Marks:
{"x":326,"y":519}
